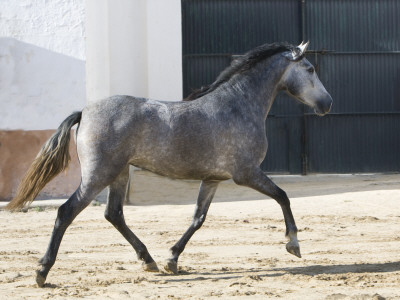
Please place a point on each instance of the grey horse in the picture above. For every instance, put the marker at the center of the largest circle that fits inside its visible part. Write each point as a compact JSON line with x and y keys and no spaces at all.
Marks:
{"x":218,"y":135}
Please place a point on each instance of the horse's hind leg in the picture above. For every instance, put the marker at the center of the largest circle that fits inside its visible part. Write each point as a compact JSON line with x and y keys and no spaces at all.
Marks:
{"x":114,"y":214}
{"x":257,"y":180}
{"x":206,"y":194}
{"x":66,"y":214}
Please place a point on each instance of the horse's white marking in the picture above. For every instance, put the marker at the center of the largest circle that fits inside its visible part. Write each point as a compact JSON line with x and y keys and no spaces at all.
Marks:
{"x":292,"y":236}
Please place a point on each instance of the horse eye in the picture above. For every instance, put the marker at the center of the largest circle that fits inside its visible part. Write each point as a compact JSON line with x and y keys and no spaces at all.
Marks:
{"x":310,"y":69}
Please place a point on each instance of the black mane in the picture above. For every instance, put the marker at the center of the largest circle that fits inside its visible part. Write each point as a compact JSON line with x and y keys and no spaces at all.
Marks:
{"x":240,"y":65}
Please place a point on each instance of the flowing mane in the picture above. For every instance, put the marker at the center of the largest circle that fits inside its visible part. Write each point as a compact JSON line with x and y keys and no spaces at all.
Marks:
{"x":240,"y":65}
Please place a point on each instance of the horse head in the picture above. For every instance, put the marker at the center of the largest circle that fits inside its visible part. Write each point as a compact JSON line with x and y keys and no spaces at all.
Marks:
{"x":301,"y":81}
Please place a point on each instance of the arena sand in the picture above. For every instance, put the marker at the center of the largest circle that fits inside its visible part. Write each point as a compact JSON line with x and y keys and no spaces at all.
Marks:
{"x":349,"y":232}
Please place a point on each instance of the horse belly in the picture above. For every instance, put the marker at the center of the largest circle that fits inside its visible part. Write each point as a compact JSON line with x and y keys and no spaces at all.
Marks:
{"x":167,"y":161}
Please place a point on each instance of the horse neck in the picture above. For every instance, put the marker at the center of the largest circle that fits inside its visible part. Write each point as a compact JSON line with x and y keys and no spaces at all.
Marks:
{"x":259,"y":86}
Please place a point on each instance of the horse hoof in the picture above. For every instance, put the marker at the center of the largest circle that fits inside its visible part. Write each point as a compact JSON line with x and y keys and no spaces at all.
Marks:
{"x":293,"y":248}
{"x":171,"y":266}
{"x":150,"y":267}
{"x":40,"y":280}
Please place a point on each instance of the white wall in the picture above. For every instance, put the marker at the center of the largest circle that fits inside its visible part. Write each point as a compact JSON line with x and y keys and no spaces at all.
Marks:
{"x":134,"y":47}
{"x":97,"y":50}
{"x":42,"y":52}
{"x":164,"y":46}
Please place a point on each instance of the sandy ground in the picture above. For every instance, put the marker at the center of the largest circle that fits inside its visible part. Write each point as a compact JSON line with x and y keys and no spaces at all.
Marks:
{"x":349,"y":237}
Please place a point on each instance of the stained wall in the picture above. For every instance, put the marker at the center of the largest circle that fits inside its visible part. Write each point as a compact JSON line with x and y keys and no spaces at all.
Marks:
{"x":42,"y":81}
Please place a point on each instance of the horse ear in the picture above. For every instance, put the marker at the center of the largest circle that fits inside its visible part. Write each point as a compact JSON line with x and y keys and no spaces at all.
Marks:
{"x":297,"y":52}
{"x":303,"y":47}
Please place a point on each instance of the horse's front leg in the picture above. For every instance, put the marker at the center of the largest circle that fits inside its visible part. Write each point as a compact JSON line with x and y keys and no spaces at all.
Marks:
{"x":257,"y":180}
{"x":206,"y":194}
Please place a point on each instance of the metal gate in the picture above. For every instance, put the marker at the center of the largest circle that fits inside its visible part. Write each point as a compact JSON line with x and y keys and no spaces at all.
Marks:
{"x":355,"y":46}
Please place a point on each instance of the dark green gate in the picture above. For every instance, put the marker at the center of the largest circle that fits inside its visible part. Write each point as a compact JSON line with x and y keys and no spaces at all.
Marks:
{"x":355,"y":46}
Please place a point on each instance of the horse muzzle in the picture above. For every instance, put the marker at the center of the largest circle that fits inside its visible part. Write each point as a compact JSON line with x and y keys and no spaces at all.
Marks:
{"x":323,"y":106}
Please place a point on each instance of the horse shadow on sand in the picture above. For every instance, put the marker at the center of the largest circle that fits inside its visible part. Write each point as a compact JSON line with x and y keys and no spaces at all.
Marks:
{"x":313,"y":270}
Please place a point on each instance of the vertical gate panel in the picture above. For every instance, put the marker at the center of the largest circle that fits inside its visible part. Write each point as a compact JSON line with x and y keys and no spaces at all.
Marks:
{"x":353,"y":25}
{"x":361,"y":70}
{"x":284,"y":145}
{"x":361,"y":83}
{"x":200,"y":70}
{"x":235,"y":26}
{"x":354,"y":143}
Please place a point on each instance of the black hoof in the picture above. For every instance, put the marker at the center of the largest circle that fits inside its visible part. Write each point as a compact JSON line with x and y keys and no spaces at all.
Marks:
{"x":150,"y":267}
{"x":171,"y":266}
{"x":40,"y":279}
{"x":293,"y":249}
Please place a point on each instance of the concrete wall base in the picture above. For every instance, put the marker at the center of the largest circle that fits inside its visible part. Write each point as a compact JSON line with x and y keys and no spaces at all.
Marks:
{"x":18,"y":148}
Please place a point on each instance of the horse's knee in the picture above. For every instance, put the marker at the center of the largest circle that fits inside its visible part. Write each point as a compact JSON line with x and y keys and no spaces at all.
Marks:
{"x":281,"y":196}
{"x":282,"y":199}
